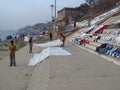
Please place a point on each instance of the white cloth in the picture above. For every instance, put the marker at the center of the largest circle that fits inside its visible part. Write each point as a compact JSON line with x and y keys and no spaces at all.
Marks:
{"x":45,"y":53}
{"x":50,"y":44}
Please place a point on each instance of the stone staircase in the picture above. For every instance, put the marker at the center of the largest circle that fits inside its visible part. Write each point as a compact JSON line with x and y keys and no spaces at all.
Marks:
{"x":111,"y":20}
{"x":73,"y":36}
{"x":91,"y":47}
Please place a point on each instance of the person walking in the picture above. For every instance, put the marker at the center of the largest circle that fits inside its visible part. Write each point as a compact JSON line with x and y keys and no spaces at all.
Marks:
{"x":62,"y":37}
{"x":30,"y":44}
{"x":12,"y":48}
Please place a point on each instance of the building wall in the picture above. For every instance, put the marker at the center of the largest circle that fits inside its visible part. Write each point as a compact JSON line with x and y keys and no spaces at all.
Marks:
{"x":70,"y":15}
{"x":61,"y":15}
{"x":67,"y":15}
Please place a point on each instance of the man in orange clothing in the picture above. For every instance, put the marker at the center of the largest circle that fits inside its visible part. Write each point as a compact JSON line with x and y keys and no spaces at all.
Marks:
{"x":12,"y":49}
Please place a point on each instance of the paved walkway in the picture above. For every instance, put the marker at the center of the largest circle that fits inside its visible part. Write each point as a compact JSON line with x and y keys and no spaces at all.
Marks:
{"x":80,"y":71}
{"x":16,"y":78}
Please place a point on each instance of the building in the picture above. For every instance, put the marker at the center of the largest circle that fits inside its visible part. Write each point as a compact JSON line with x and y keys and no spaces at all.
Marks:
{"x":70,"y":15}
{"x":66,"y":16}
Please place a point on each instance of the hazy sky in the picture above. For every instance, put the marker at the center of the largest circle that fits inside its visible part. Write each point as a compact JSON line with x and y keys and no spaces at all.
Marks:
{"x":15,"y":14}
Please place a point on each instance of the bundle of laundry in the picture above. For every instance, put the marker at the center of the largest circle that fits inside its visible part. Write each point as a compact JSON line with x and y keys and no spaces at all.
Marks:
{"x":109,"y":50}
{"x":106,"y":49}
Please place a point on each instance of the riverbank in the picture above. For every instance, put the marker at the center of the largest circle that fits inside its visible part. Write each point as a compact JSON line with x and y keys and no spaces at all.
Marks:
{"x":5,"y":33}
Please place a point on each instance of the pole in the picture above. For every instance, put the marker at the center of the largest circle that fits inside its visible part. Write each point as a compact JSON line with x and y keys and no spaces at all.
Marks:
{"x":52,"y":11}
{"x":55,"y":12}
{"x":52,"y":16}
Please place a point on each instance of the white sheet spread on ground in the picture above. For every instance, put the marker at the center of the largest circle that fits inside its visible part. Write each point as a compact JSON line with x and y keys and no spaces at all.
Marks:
{"x":45,"y":53}
{"x":50,"y":44}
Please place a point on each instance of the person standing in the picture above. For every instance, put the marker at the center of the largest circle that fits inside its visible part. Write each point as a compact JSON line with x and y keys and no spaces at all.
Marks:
{"x":62,"y":37}
{"x":12,"y":48}
{"x":30,"y":44}
{"x":50,"y":35}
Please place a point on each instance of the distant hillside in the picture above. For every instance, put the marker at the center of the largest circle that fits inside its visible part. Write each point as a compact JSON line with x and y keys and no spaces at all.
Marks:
{"x":103,"y":6}
{"x":33,"y":29}
{"x":100,"y":7}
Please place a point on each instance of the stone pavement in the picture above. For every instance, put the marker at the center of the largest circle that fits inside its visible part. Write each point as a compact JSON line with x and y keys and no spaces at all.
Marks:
{"x":16,"y":78}
{"x":80,"y":71}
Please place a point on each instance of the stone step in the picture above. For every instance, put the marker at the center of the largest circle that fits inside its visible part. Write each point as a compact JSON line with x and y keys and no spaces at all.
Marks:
{"x":95,"y":43}
{"x":109,"y":42}
{"x":92,"y":47}
{"x":108,"y":58}
{"x":99,"y":41}
{"x":70,"y":39}
{"x":87,"y":48}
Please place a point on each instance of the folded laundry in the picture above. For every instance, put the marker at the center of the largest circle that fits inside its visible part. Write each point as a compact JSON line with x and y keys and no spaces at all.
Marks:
{"x":117,"y":55}
{"x":109,"y":50}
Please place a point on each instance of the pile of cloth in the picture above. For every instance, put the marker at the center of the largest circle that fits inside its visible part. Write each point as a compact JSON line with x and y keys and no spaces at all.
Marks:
{"x":109,"y":50}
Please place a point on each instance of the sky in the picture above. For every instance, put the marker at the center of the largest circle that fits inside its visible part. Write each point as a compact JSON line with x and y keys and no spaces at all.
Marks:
{"x":15,"y":14}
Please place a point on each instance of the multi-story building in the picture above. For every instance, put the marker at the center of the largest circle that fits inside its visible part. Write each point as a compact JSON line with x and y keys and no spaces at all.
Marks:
{"x":67,"y":16}
{"x":70,"y":15}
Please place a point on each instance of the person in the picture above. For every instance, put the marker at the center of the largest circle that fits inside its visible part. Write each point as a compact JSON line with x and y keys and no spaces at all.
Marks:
{"x":43,"y":32}
{"x":12,"y":48}
{"x":50,"y":35}
{"x":74,"y":24}
{"x":30,"y":44}
{"x":62,"y":37}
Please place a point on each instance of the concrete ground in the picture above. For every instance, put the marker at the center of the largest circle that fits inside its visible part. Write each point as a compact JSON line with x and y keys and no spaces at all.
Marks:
{"x":17,"y":78}
{"x":80,"y":71}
